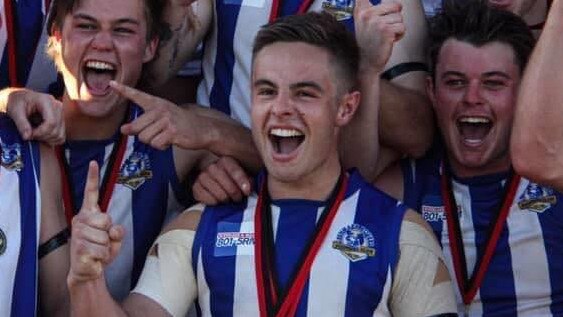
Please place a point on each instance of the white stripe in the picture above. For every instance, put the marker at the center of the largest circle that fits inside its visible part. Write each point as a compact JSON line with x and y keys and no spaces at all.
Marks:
{"x":328,"y":284}
{"x":208,"y":62}
{"x":10,"y":224}
{"x":118,"y":273}
{"x":383,"y":307}
{"x":245,"y":290}
{"x":204,"y":296}
{"x":42,"y":72}
{"x":529,"y":260}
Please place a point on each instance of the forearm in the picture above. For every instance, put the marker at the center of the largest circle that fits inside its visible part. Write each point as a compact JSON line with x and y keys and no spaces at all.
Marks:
{"x":537,"y":138}
{"x":185,"y":28}
{"x":360,"y":142}
{"x":4,"y":97}
{"x":406,"y":121}
{"x":93,"y":299}
{"x":227,"y":137}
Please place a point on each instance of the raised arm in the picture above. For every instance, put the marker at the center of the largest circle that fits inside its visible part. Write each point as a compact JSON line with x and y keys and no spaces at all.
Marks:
{"x":187,"y":22}
{"x":537,"y":134}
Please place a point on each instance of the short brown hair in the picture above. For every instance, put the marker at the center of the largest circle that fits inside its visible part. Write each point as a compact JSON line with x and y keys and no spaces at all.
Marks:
{"x":318,"y":29}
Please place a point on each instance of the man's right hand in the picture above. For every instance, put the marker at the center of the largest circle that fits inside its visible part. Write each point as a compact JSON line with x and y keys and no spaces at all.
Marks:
{"x":95,"y":240}
{"x":23,"y":104}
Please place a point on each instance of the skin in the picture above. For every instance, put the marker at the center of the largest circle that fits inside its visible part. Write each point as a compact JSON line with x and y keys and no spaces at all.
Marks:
{"x":536,"y":146}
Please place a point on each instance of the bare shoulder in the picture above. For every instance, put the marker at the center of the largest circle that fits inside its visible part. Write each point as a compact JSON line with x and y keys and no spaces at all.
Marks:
{"x":187,"y":220}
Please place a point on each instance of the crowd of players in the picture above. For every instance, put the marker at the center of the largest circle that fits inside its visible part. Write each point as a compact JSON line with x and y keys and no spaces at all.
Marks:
{"x":385,"y":164}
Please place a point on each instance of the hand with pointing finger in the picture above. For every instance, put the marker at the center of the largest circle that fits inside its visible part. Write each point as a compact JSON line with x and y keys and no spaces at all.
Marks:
{"x":377,"y":28}
{"x":95,"y":241}
{"x":163,"y":123}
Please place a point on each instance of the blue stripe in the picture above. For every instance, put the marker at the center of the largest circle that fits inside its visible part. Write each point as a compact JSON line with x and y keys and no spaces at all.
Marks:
{"x":370,"y":275}
{"x":30,"y":25}
{"x":25,"y":292}
{"x":551,"y":222}
{"x":227,"y":15}
{"x":149,"y":203}
{"x":220,"y":271}
{"x":497,"y":291}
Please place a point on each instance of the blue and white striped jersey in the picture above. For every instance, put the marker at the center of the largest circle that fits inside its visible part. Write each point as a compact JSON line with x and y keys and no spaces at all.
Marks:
{"x":35,"y":69}
{"x":341,"y":282}
{"x":228,"y":52}
{"x":20,"y":217}
{"x":525,"y":273}
{"x":145,"y":194}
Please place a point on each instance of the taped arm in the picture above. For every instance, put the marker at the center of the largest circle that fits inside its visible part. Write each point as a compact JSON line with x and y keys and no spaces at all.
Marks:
{"x":422,"y":285}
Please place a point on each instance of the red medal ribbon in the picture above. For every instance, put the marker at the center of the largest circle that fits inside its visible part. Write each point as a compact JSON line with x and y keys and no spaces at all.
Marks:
{"x":469,"y":287}
{"x":11,"y":44}
{"x":276,"y":5}
{"x":271,"y":300}
{"x":108,"y":182}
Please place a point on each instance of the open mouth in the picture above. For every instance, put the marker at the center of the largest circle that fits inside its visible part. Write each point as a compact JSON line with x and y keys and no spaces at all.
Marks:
{"x":286,"y":141}
{"x":97,"y":75}
{"x":474,"y":130}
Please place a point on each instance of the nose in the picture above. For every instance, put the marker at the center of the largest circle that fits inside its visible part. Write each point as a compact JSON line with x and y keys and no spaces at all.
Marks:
{"x":102,"y":41}
{"x":283,"y":105}
{"x":472,"y":95}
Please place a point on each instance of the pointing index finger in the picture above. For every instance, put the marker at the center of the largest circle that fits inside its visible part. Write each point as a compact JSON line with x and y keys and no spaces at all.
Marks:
{"x":144,"y":100}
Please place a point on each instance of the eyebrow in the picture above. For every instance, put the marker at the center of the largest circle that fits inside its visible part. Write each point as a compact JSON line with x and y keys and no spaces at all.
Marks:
{"x":487,"y":74}
{"x":497,"y":73}
{"x":92,"y":19}
{"x":307,"y":84}
{"x":260,"y":82}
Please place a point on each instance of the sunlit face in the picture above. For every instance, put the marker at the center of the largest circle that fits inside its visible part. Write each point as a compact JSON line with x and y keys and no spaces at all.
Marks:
{"x":102,"y":40}
{"x":474,"y":94}
{"x":296,"y":110}
{"x":518,"y":7}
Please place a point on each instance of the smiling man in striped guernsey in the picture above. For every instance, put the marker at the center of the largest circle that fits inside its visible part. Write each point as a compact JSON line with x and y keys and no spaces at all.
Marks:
{"x":500,"y":233}
{"x":145,"y":146}
{"x":315,"y":240}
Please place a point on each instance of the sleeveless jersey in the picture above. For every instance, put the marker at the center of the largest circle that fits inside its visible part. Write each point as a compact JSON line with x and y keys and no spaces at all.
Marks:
{"x":228,"y":52}
{"x":146,"y":193}
{"x":20,"y":217}
{"x":525,"y":273}
{"x":339,"y":284}
{"x":35,"y":69}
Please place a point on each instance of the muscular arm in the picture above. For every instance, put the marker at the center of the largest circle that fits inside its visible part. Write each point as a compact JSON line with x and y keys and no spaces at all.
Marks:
{"x":537,"y":135}
{"x":186,"y":25}
{"x":53,"y":267}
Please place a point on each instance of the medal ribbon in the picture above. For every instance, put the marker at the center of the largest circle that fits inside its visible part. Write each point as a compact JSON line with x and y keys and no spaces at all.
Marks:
{"x":12,"y":45}
{"x":469,"y":287}
{"x":276,"y":5}
{"x":272,"y":301}
{"x":108,"y":182}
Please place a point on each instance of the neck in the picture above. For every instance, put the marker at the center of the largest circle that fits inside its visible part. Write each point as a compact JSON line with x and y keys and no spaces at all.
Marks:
{"x":80,"y":126}
{"x":463,"y":171}
{"x":316,"y":186}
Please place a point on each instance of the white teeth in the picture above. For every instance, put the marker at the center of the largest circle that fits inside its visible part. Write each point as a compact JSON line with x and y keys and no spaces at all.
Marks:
{"x":285,"y":133}
{"x":474,"y":120}
{"x":100,"y":65}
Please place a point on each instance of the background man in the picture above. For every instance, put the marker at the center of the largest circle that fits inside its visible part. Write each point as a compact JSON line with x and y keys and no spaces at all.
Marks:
{"x":499,"y":232}
{"x":100,"y":48}
{"x":337,"y":239}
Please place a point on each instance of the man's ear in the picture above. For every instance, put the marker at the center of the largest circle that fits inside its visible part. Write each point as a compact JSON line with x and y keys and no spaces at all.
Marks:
{"x":349,"y":103}
{"x":430,"y":90}
{"x":150,"y":50}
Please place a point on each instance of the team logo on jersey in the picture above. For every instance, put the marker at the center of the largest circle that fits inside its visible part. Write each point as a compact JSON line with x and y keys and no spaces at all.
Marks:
{"x":537,"y":198}
{"x":3,"y":242}
{"x":355,"y":242}
{"x":135,"y":171}
{"x":12,"y":156}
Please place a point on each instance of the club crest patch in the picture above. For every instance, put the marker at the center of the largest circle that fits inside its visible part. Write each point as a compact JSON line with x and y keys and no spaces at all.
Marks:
{"x":355,"y":242}
{"x":12,"y":156}
{"x":135,"y":170}
{"x":537,"y":198}
{"x":3,"y":242}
